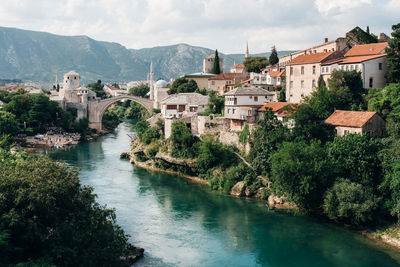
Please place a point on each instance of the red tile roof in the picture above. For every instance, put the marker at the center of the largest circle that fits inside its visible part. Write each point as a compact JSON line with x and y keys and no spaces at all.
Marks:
{"x":277,"y":107}
{"x":349,"y":118}
{"x":237,"y":66}
{"x":226,"y":76}
{"x":113,"y":88}
{"x":310,"y":58}
{"x":276,"y":73}
{"x":367,"y":49}
{"x":354,"y":59}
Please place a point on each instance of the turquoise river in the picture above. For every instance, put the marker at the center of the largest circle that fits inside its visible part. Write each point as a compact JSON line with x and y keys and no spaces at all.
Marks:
{"x":183,"y":224}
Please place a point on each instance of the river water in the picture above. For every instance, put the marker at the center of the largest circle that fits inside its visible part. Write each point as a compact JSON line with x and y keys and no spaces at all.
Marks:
{"x":184,"y":224}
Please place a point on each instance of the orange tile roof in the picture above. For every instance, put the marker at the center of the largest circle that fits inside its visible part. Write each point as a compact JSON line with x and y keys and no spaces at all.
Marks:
{"x":275,"y":106}
{"x":277,"y":73}
{"x":226,"y":76}
{"x":248,"y":80}
{"x":310,"y":58}
{"x":354,"y":59}
{"x":349,"y":118}
{"x":237,"y":66}
{"x":367,"y":49}
{"x":113,"y":88}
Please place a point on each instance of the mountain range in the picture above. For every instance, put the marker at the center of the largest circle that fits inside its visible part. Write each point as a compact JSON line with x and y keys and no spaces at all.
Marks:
{"x":40,"y":56}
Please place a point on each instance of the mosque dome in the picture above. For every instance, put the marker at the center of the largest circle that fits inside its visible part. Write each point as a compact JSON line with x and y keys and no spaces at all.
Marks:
{"x":161,"y":84}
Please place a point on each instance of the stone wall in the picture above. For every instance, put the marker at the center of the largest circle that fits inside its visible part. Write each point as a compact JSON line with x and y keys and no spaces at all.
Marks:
{"x":232,"y":138}
{"x":210,"y":125}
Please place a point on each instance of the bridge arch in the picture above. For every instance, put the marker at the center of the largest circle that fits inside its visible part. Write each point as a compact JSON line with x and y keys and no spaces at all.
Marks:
{"x":96,"y":109}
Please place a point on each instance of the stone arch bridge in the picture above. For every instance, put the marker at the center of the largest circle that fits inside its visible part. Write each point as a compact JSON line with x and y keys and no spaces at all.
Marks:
{"x":97,"y":108}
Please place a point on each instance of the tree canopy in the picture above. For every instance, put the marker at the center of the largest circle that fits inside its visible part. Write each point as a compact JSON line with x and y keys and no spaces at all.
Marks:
{"x":273,"y":57}
{"x":255,"y":64}
{"x":97,"y":87}
{"x":140,"y":90}
{"x":393,"y":56}
{"x":216,"y":67}
{"x":182,"y":85}
{"x":48,"y":217}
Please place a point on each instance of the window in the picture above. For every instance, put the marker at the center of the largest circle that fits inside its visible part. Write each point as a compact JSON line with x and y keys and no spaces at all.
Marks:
{"x":170,"y":107}
{"x":356,"y":66}
{"x":291,"y":84}
{"x":380,"y":66}
{"x":327,"y":69}
{"x":251,"y":97}
{"x":229,"y":110}
{"x":347,"y":67}
{"x":302,"y":70}
{"x":213,"y":82}
{"x":342,"y":67}
{"x":233,"y":111}
{"x":255,"y":98}
{"x":313,"y":69}
{"x":313,"y":83}
{"x":291,"y":70}
{"x":302,"y":84}
{"x":351,"y":67}
{"x":249,"y":112}
{"x":371,"y":82}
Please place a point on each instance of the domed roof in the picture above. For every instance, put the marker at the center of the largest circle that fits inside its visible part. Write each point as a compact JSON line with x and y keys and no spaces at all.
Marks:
{"x":161,"y":83}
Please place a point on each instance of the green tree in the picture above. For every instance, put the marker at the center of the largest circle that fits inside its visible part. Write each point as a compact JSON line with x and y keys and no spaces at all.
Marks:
{"x":273,"y":57}
{"x":183,"y":143}
{"x":301,"y":172}
{"x":97,"y":87}
{"x":348,"y":88}
{"x":393,"y":56}
{"x":355,"y":157}
{"x":215,"y":103}
{"x":8,"y":123}
{"x":350,"y":202}
{"x":255,"y":64}
{"x":321,"y":82}
{"x":182,"y":85}
{"x":140,"y":90}
{"x":265,"y":140}
{"x":216,"y":67}
{"x":49,"y":215}
{"x":282,"y":93}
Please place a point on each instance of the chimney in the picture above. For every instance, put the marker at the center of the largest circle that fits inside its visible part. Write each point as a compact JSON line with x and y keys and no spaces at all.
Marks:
{"x":325,"y":40}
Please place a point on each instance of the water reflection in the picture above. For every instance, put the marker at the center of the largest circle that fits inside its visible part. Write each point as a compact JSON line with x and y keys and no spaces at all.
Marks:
{"x":183,"y":224}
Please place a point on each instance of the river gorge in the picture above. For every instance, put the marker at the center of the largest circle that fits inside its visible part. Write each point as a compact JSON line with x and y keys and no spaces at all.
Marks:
{"x":179,"y":223}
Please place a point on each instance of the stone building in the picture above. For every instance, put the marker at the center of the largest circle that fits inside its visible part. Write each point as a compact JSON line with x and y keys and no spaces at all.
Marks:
{"x":208,"y":63}
{"x":242,"y":103}
{"x":200,"y":78}
{"x":225,"y":82}
{"x":369,"y":59}
{"x":302,"y":74}
{"x":73,"y":95}
{"x":184,"y":104}
{"x":357,"y":122}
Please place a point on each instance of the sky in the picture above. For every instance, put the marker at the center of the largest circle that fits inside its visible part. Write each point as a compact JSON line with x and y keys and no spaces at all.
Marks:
{"x":225,"y":25}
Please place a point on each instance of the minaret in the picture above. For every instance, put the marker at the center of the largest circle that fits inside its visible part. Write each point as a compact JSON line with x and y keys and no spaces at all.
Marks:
{"x":151,"y":81}
{"x":247,"y":50}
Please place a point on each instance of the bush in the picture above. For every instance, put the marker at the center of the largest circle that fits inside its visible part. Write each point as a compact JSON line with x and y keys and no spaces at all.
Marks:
{"x":350,"y":202}
{"x":302,"y":172}
{"x":227,"y":180}
{"x":183,"y":142}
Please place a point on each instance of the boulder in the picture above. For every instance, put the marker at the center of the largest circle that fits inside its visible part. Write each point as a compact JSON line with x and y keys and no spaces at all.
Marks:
{"x":248,"y":192}
{"x":259,"y":193}
{"x":275,"y":200}
{"x":238,"y":189}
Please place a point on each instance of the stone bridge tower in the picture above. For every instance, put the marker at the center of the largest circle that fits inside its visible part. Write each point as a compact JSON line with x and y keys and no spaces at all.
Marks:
{"x":71,"y":82}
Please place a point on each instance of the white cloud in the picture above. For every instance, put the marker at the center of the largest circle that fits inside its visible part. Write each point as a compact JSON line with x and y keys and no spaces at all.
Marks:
{"x":325,"y":6}
{"x":222,"y":24}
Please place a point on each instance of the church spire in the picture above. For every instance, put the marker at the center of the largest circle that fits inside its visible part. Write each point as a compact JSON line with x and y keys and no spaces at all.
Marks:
{"x":247,"y":50}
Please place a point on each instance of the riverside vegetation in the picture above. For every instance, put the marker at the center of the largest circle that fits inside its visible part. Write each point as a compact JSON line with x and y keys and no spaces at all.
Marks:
{"x":351,"y":180}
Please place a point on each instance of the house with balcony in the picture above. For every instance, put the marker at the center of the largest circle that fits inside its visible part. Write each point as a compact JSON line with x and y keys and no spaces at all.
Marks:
{"x":184,"y":104}
{"x":242,"y":104}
